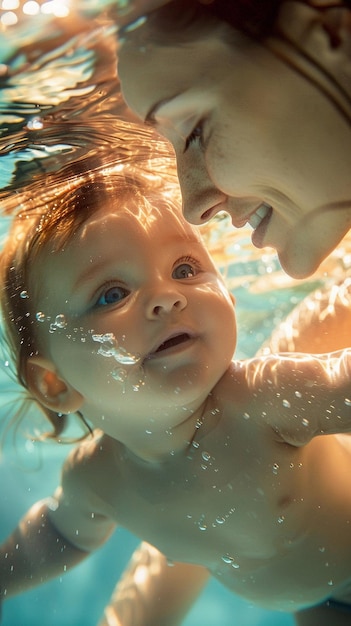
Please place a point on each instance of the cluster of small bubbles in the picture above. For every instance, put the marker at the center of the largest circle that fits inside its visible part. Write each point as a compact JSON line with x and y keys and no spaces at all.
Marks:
{"x":287,"y":404}
{"x":275,"y":468}
{"x":24,"y":295}
{"x":298,"y":394}
{"x":109,"y":348}
{"x":347,"y":401}
{"x":137,"y":386}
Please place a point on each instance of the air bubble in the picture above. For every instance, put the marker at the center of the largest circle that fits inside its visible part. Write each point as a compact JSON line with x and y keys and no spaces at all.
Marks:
{"x":227,"y":559}
{"x":206,"y":456}
{"x":287,"y":404}
{"x":36,"y":123}
{"x":275,"y":468}
{"x":119,"y":374}
{"x":40,"y":316}
{"x":60,"y":321}
{"x":24,"y":295}
{"x":305,"y":422}
{"x":347,"y":401}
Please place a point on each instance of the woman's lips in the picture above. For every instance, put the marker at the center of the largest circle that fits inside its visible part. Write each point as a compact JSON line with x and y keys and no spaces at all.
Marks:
{"x":259,"y":222}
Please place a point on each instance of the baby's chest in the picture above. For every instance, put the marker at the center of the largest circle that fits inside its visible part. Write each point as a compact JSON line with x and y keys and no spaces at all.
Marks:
{"x":207,"y":508}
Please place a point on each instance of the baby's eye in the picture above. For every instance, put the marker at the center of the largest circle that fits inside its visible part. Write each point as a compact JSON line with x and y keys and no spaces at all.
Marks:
{"x":185,"y":270}
{"x":112,"y":295}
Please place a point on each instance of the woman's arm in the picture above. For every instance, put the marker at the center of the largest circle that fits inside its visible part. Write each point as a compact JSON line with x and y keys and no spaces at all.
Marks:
{"x":151,"y":592}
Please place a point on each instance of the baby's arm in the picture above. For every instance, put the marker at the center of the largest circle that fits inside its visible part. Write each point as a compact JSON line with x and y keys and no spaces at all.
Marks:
{"x":55,"y":534}
{"x":152,"y":592}
{"x":34,"y":553}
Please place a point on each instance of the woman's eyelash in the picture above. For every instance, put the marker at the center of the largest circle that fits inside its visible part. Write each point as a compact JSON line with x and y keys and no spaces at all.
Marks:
{"x":195,"y":134}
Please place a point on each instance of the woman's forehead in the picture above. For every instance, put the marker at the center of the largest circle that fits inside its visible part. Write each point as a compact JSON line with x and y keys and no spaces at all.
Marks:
{"x":152,"y":72}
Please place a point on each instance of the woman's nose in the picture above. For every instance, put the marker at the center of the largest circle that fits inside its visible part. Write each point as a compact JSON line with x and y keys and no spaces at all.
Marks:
{"x":201,"y":199}
{"x":164,"y":302}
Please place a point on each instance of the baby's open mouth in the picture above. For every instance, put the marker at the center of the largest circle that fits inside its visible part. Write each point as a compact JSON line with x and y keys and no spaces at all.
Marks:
{"x":173,"y":341}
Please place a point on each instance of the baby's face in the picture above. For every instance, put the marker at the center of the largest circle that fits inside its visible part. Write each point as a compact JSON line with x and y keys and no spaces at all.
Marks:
{"x":141,"y":323}
{"x":252,"y":137}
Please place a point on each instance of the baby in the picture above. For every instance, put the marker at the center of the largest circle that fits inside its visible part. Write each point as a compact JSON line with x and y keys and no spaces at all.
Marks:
{"x":115,"y":311}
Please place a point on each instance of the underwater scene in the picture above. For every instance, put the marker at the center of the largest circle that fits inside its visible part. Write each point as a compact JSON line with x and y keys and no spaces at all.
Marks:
{"x":61,"y":116}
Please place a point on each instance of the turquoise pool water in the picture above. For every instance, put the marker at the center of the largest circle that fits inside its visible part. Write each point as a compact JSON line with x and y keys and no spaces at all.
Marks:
{"x":59,"y":104}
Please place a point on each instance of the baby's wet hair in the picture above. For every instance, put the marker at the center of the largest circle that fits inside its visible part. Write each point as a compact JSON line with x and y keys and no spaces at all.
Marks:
{"x":46,"y":225}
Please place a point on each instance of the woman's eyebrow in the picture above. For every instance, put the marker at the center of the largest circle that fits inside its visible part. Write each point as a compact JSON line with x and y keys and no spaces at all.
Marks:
{"x":151,"y":115}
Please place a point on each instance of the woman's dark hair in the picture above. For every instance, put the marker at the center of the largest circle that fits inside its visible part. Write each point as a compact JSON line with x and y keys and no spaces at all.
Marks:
{"x":256,"y":18}
{"x":181,"y":21}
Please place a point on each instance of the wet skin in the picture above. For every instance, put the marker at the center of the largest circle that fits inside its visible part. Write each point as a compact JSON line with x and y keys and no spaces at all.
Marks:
{"x":248,"y":132}
{"x":207,"y":460}
{"x":113,"y":280}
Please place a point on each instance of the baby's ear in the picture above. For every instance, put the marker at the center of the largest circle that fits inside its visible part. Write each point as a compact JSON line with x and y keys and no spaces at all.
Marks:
{"x":49,"y":388}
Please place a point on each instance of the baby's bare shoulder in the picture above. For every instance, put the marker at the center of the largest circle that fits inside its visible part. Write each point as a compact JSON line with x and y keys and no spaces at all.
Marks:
{"x":88,"y":462}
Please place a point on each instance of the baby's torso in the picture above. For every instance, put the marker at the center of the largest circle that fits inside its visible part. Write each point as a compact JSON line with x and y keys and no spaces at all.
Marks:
{"x":270,"y":521}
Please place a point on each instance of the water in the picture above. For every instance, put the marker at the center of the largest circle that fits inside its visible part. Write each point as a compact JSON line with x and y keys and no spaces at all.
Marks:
{"x":59,"y":102}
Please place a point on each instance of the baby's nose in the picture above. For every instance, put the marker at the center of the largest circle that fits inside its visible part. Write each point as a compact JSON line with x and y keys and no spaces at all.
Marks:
{"x":165,"y":302}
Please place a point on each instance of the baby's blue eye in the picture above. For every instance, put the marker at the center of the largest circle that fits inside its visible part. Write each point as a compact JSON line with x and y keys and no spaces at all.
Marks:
{"x":112,"y":295}
{"x":184,"y":270}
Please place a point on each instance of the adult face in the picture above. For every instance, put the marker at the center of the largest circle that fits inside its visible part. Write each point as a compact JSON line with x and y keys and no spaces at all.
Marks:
{"x":252,"y":137}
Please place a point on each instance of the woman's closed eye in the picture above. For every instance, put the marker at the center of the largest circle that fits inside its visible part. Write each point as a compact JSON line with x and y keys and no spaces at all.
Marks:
{"x":112,"y":294}
{"x":195,"y":135}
